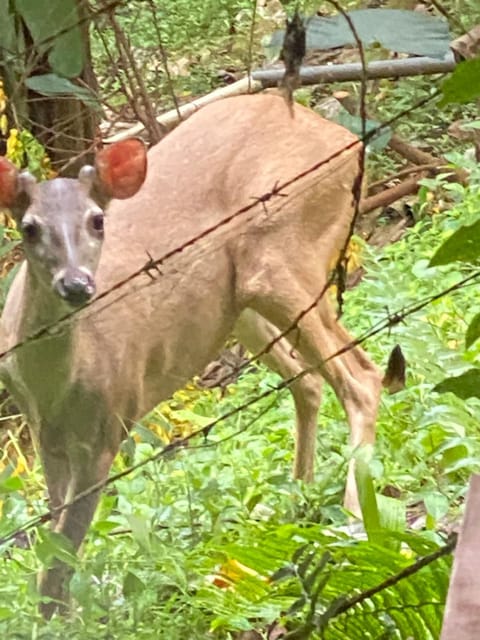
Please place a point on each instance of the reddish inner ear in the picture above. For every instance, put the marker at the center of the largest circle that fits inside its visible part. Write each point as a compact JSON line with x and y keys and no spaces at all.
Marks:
{"x":122,"y":167}
{"x":8,"y":182}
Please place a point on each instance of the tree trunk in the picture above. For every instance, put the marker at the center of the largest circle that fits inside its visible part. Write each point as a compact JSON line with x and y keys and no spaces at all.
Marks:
{"x":64,"y":125}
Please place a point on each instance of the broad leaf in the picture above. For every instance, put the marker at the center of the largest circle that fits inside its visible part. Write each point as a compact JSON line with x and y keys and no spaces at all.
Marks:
{"x":53,"y":546}
{"x":7,"y":29}
{"x":463,"y":245}
{"x":392,"y":513}
{"x":436,"y":505}
{"x":413,"y":32}
{"x":473,"y":331}
{"x":366,"y":496}
{"x":466,"y":385}
{"x":132,"y":585}
{"x":50,"y":84}
{"x":54,"y":28}
{"x":141,"y":528}
{"x":464,"y":83}
{"x":11,"y":484}
{"x":378,"y":141}
{"x":104,"y":526}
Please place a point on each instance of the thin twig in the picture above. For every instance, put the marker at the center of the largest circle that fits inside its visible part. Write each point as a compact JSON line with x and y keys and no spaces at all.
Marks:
{"x":339,"y":607}
{"x":250,"y":44}
{"x":163,"y":53}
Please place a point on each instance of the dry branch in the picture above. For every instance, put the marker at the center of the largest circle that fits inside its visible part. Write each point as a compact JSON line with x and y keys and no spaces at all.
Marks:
{"x":387,"y":197}
{"x":376,"y":187}
{"x":395,"y":68}
{"x":417,"y":156}
{"x":409,"y":152}
{"x":169,"y":119}
{"x":264,"y":78}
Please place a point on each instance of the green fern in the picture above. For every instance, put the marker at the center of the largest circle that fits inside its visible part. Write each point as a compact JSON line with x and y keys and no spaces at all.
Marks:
{"x":316,"y":579}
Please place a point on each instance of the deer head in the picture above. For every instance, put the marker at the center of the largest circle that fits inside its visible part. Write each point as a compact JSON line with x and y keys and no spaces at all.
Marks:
{"x":62,"y":220}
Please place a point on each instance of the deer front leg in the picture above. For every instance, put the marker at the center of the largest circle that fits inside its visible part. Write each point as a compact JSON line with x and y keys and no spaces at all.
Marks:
{"x":86,"y":464}
{"x":57,"y":476}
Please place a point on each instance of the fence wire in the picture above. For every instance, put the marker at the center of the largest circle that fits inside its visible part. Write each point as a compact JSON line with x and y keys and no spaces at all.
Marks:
{"x":154,"y":269}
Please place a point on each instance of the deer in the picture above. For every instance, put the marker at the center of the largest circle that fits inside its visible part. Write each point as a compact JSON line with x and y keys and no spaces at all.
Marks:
{"x":84,"y":385}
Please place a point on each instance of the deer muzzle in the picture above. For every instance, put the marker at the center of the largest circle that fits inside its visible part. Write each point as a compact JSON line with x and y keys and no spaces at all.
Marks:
{"x":75,"y":286}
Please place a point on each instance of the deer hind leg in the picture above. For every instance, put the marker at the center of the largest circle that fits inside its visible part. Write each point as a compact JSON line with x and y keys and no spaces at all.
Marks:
{"x":281,"y":295}
{"x":255,"y":332}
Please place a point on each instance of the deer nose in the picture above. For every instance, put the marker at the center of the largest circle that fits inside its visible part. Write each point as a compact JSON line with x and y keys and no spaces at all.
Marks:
{"x":75,"y":286}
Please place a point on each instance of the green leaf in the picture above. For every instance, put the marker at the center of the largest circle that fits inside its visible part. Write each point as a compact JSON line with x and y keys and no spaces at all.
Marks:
{"x":54,"y":28}
{"x":473,"y":331}
{"x":140,"y":531}
{"x":463,"y":245}
{"x":185,"y":415}
{"x":470,"y":125}
{"x":7,"y":247}
{"x":464,"y":83}
{"x":49,"y":84}
{"x":104,"y":526}
{"x":67,"y":56}
{"x":12,"y":484}
{"x":466,"y":385}
{"x":366,"y":495}
{"x":414,"y":32}
{"x":354,"y":124}
{"x":469,"y":462}
{"x":6,"y":613}
{"x":436,"y":505}
{"x":132,"y":585}
{"x":146,"y":435}
{"x":52,"y":545}
{"x":392,"y":513}
{"x":7,"y":27}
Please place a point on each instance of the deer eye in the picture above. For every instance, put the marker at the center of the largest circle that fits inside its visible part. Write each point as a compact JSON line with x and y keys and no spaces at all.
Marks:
{"x":96,"y":221}
{"x":30,"y":231}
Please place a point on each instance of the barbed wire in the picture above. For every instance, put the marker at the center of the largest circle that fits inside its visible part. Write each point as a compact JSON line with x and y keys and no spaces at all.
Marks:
{"x":52,"y":329}
{"x":204,"y":431}
{"x":153,"y":265}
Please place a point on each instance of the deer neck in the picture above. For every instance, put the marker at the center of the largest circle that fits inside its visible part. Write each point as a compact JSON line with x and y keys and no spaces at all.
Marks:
{"x":43,"y":364}
{"x":42,"y":308}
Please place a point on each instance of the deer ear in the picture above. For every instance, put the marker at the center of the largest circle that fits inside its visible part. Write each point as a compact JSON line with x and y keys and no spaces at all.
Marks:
{"x":9,"y":187}
{"x":122,"y":167}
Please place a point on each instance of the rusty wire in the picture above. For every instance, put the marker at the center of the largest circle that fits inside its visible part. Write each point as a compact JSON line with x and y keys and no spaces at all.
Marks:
{"x":382,"y":325}
{"x":154,"y":264}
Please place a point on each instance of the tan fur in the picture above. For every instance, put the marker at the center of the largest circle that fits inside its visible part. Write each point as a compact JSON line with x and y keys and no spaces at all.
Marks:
{"x":129,"y":351}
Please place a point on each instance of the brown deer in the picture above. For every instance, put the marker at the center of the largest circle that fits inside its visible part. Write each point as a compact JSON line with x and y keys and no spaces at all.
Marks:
{"x":84,"y":385}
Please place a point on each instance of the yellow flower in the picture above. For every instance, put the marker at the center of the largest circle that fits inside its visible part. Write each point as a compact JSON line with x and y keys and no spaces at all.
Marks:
{"x":14,"y":147}
{"x":3,"y":98}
